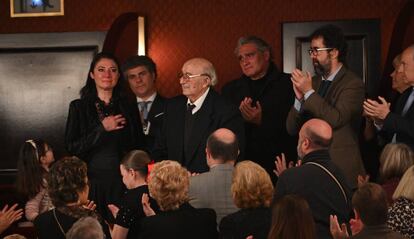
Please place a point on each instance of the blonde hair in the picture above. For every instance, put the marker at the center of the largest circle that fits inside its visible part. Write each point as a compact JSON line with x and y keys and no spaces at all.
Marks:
{"x":405,"y":187}
{"x":395,"y":159}
{"x":251,"y":187}
{"x":168,"y":184}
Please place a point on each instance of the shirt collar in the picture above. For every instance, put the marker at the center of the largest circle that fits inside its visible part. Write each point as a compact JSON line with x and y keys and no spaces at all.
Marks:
{"x":151,"y":98}
{"x":332,"y":76}
{"x":199,"y":102}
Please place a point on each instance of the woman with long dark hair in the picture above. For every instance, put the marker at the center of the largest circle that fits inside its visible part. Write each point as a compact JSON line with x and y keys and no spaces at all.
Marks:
{"x":35,"y":157}
{"x":101,"y":127}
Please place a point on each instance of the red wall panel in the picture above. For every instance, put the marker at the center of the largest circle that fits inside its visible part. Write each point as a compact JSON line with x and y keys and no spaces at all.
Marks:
{"x":181,"y":29}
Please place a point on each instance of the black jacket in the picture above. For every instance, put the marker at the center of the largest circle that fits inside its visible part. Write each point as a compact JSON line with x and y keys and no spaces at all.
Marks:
{"x":318,"y":188}
{"x":215,"y":113}
{"x":86,"y":137}
{"x":276,"y":96}
{"x":185,"y":222}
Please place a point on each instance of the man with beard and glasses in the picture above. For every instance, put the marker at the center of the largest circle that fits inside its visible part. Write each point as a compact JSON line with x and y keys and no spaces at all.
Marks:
{"x":335,"y":95}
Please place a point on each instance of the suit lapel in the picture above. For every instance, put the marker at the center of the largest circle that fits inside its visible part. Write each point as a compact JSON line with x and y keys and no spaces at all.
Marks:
{"x":402,"y":100}
{"x":156,"y":108}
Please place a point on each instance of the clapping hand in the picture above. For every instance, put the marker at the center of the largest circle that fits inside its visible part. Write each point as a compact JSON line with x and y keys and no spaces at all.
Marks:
{"x":8,"y":216}
{"x":337,"y":232}
{"x":302,"y":83}
{"x":280,"y":164}
{"x":252,"y":114}
{"x":90,"y":205}
{"x":114,"y":209}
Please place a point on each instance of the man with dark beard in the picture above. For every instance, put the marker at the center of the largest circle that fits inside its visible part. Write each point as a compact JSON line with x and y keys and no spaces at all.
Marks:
{"x":335,"y":95}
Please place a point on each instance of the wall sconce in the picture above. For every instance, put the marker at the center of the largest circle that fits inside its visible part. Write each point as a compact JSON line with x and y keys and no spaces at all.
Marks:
{"x":141,"y":36}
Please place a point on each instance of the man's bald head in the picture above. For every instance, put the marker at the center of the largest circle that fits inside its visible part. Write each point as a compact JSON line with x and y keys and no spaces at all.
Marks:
{"x":319,"y":133}
{"x":223,"y":145}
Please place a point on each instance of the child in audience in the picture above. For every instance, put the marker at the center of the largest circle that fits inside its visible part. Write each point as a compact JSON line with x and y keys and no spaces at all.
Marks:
{"x":35,"y":157}
{"x":134,"y":171}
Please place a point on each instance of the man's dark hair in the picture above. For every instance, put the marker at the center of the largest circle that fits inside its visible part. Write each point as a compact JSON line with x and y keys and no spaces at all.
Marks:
{"x":370,"y":202}
{"x":221,"y":150}
{"x":135,"y":61}
{"x":333,"y":37}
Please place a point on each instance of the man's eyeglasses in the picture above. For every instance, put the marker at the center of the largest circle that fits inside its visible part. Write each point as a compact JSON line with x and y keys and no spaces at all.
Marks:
{"x":316,"y":50}
{"x":187,"y":76}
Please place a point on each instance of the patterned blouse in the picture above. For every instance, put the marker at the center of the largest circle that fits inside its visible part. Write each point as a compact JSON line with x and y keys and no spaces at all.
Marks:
{"x":401,"y":217}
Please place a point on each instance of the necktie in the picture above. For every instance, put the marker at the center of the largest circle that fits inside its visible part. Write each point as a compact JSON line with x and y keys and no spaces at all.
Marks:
{"x":143,"y":105}
{"x":408,"y":103}
{"x":323,"y":88}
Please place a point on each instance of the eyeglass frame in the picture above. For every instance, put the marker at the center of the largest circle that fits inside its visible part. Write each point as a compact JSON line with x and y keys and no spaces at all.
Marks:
{"x":188,"y":76}
{"x":315,"y":50}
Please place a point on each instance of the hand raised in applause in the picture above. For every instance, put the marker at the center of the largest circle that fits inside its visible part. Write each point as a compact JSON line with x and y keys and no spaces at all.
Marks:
{"x":252,"y":114}
{"x":8,"y":216}
{"x":337,"y":232}
{"x":302,"y":83}
{"x":90,"y":205}
{"x":280,"y":164}
{"x":114,"y":210}
{"x":113,"y":122}
{"x":376,"y":110}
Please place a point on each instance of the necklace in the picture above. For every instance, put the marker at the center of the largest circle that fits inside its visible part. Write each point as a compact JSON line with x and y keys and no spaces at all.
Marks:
{"x":60,"y":226}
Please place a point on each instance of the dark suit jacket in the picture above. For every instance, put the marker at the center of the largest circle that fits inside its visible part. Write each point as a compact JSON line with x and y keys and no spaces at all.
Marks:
{"x":320,"y":190}
{"x":246,"y":222}
{"x":215,"y":113}
{"x":185,"y":222}
{"x":403,"y":126}
{"x":156,"y":119}
{"x":269,"y":139}
{"x":342,"y":109}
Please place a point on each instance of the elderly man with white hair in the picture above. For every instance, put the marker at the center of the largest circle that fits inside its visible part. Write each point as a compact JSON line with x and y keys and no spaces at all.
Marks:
{"x":191,"y":117}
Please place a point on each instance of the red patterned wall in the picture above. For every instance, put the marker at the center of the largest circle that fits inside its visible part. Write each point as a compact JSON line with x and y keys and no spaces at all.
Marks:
{"x":180,"y":29}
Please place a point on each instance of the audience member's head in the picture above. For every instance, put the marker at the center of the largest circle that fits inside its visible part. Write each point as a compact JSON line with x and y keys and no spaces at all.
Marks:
{"x":407,"y":65}
{"x":370,"y":204}
{"x":251,"y":186}
{"x":331,"y":37}
{"x":405,"y":188}
{"x":315,"y":134}
{"x":222,"y":147}
{"x":68,"y":182}
{"x":292,"y":218}
{"x":395,"y":159}
{"x":398,"y":81}
{"x":89,"y":89}
{"x":134,"y":166}
{"x":86,"y":228}
{"x":196,"y":76}
{"x":35,"y":157}
{"x":168,"y":184}
{"x":254,"y":56}
{"x":141,"y":72}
